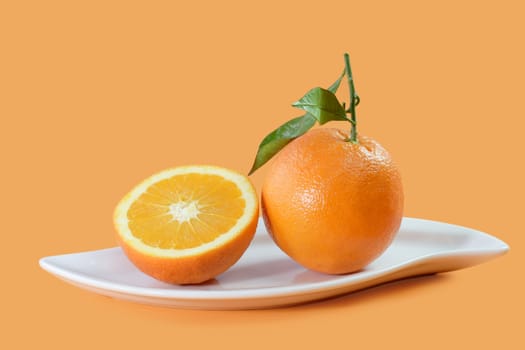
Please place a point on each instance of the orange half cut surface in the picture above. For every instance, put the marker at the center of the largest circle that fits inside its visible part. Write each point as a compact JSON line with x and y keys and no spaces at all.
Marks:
{"x":187,"y":224}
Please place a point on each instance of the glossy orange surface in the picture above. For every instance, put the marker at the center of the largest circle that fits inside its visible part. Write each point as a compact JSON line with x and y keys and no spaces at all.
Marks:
{"x":332,"y":205}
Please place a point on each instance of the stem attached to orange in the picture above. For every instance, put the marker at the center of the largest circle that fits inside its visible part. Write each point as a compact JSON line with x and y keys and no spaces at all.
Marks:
{"x":354,"y":100}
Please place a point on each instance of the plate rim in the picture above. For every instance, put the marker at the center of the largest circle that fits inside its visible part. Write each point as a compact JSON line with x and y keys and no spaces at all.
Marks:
{"x":498,"y":248}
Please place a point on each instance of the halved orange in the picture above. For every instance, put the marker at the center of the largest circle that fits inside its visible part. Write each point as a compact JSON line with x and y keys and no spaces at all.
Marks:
{"x":187,"y":224}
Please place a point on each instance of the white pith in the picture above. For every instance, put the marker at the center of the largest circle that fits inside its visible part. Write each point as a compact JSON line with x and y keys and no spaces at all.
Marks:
{"x":182,"y":210}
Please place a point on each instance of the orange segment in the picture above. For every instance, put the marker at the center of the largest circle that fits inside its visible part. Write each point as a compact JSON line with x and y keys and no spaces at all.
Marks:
{"x":183,"y":216}
{"x":185,"y":211}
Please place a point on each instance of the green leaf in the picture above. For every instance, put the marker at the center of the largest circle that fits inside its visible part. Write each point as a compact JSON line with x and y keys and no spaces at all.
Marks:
{"x":280,"y":137}
{"x":322,"y":104}
{"x":333,"y":88}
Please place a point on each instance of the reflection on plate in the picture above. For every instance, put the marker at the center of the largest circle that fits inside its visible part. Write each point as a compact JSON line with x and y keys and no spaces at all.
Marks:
{"x":265,"y":277}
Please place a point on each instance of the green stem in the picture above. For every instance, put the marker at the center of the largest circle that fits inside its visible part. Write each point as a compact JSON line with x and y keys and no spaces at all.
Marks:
{"x":353,"y":99}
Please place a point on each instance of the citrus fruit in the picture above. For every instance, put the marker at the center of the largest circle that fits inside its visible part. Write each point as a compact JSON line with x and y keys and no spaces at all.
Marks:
{"x":332,"y":205}
{"x":187,"y":224}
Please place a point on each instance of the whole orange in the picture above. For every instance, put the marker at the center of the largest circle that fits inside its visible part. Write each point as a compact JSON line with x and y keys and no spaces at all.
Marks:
{"x":332,"y":205}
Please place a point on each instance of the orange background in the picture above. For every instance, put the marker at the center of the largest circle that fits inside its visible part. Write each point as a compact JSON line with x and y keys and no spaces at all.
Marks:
{"x":94,"y":97}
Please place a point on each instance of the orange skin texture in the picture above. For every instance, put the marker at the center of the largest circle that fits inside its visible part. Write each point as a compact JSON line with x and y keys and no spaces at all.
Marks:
{"x":197,"y":268}
{"x":331,"y":205}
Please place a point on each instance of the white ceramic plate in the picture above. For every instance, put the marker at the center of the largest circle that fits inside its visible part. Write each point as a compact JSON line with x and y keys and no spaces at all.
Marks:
{"x":265,"y":277}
